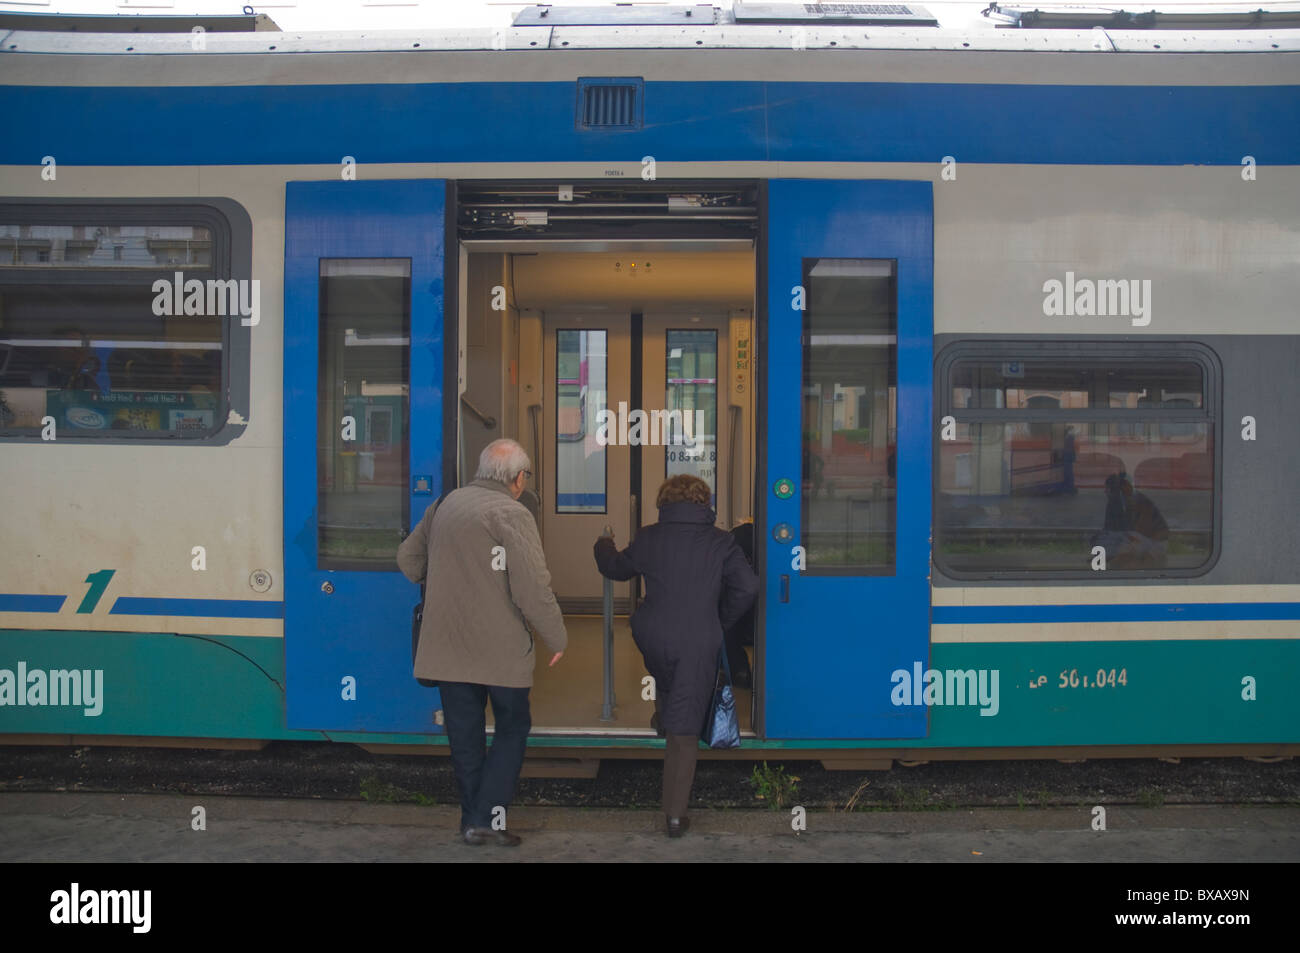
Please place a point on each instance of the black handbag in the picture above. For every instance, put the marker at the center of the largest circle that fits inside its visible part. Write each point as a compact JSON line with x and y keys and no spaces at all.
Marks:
{"x":417,"y":617}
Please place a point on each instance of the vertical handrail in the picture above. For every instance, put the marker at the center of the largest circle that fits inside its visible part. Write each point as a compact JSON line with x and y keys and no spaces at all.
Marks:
{"x":731,"y":465}
{"x":607,"y":611}
{"x":534,"y":412}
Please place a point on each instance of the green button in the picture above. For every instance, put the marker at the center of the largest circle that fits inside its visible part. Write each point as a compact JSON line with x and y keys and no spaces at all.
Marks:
{"x":784,"y":489}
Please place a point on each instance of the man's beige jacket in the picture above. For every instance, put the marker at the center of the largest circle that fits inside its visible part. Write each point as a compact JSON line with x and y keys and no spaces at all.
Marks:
{"x":474,"y":610}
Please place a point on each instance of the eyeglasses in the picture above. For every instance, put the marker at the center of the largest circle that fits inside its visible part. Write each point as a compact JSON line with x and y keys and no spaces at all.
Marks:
{"x":527,"y":473}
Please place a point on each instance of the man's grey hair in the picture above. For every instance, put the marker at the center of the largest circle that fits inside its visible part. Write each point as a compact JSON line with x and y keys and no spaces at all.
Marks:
{"x":501,"y":460}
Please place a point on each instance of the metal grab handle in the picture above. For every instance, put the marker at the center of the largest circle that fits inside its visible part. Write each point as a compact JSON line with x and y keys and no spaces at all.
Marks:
{"x":731,"y":464}
{"x":488,"y":422}
{"x":607,"y":611}
{"x":534,"y":413}
{"x":635,"y":516}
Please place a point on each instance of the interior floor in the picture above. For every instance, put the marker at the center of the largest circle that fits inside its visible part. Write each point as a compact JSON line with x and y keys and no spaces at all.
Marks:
{"x":567,"y":699}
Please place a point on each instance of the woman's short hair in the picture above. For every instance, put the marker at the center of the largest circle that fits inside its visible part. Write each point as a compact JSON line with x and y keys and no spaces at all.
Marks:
{"x":684,"y":488}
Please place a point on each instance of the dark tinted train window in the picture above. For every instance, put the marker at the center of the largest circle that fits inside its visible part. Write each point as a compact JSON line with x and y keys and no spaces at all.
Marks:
{"x":114,"y":328}
{"x":1050,"y":458}
{"x":850,"y":371}
{"x":363,"y":410}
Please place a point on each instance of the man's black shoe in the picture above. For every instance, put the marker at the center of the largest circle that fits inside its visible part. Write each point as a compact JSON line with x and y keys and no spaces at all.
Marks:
{"x":677,"y":826}
{"x":478,"y":836}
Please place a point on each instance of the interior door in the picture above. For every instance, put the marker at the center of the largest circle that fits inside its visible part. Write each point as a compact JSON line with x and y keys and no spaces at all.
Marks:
{"x":586,"y":364}
{"x":363,"y":443}
{"x":847,"y":495}
{"x":681,"y":357}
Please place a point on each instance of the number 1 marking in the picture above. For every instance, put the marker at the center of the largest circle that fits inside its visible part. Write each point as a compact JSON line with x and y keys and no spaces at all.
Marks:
{"x":98,"y":583}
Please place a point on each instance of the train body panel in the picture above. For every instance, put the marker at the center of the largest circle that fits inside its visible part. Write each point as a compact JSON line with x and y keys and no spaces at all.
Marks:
{"x":1043,"y":180}
{"x":1048,"y":694}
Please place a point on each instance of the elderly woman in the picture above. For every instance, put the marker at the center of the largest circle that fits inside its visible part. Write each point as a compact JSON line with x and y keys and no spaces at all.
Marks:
{"x":697,"y":584}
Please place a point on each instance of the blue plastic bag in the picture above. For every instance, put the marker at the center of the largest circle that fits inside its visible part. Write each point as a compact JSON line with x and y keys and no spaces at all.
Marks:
{"x":721,"y":726}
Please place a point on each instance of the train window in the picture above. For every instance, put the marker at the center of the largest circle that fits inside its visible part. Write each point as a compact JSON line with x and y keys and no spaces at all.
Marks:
{"x":106,"y":245}
{"x":363,"y":405}
{"x":115,"y":321}
{"x":1042,"y":383}
{"x":580,"y":396}
{"x":1074,"y":459}
{"x":850,"y":354}
{"x":691,"y":388}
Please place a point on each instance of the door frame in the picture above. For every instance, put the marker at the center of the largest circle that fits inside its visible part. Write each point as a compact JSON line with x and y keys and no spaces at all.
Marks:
{"x":758,"y":351}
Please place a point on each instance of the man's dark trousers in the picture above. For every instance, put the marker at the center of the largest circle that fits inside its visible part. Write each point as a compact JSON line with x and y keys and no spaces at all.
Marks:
{"x":487,"y":778}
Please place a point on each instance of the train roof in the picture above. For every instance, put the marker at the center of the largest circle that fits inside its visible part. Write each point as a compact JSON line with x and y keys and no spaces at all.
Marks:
{"x":739,"y":25}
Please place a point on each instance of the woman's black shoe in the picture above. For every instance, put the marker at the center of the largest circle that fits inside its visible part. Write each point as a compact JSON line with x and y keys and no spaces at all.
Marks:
{"x":677,"y":826}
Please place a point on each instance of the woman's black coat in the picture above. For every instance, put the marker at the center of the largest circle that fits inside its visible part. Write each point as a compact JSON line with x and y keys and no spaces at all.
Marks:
{"x":697,"y":583}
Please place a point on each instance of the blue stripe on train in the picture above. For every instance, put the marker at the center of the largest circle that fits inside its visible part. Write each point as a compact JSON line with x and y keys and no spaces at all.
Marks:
{"x":212,"y":608}
{"x":684,"y":121}
{"x":22,"y":602}
{"x":585,"y":500}
{"x":1133,"y":612}
{"x":940,"y":615}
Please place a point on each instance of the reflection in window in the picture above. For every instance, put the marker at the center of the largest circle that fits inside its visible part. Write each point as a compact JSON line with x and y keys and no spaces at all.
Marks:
{"x":105,"y":246}
{"x":363,"y":408}
{"x":689,"y":431}
{"x":97,"y":359}
{"x":1039,"y":383}
{"x":1121,"y":458}
{"x":849,"y":406}
{"x":580,"y":396}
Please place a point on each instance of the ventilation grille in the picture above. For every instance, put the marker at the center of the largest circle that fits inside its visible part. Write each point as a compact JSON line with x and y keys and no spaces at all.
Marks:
{"x":761,"y":11}
{"x":609,"y":103}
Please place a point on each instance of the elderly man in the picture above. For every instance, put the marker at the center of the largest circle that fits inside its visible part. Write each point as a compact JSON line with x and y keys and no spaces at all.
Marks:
{"x":480,"y":553}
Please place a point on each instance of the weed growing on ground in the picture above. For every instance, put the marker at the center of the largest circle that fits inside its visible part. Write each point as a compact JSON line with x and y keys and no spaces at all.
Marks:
{"x":774,"y":786}
{"x":1150,"y":797}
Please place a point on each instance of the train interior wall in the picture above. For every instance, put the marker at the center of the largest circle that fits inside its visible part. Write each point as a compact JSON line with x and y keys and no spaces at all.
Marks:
{"x":522,"y":316}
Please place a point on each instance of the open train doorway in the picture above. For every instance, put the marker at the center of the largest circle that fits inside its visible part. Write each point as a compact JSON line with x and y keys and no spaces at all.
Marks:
{"x":615,"y":365}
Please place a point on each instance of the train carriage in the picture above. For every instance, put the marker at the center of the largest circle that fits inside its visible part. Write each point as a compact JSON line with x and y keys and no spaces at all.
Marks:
{"x":991,"y":333}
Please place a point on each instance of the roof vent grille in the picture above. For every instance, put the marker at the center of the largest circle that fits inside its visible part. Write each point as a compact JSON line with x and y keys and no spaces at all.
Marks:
{"x":613,"y":103}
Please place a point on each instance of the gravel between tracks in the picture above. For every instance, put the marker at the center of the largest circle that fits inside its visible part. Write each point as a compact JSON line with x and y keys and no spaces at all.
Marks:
{"x":341,"y":771}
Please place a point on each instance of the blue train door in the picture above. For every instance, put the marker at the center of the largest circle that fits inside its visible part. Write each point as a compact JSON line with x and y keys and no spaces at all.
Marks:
{"x":363,"y":443}
{"x":847,"y":404}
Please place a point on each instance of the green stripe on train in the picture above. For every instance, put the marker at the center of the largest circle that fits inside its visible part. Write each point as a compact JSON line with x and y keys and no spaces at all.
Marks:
{"x":1192,"y":692}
